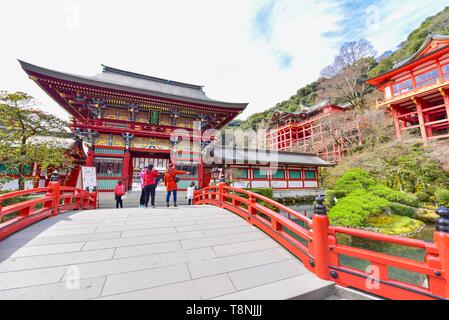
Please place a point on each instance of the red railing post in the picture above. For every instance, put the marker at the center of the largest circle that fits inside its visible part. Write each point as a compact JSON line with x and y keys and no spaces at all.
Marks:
{"x":83,"y":199}
{"x":54,"y":190}
{"x":221,"y":191}
{"x":252,"y":201}
{"x":78,"y":198}
{"x":441,"y":239}
{"x":320,"y":225}
{"x":95,"y":197}
{"x":194,"y":197}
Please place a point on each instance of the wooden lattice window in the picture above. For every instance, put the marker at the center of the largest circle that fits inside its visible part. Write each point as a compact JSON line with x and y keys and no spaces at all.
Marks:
{"x":154,"y":117}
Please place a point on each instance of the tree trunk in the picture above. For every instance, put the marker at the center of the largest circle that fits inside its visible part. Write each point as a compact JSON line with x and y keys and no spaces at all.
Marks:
{"x":21,"y":166}
{"x":21,"y":178}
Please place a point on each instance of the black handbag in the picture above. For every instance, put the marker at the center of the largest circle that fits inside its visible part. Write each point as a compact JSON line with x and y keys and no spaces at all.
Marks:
{"x":177,"y":179}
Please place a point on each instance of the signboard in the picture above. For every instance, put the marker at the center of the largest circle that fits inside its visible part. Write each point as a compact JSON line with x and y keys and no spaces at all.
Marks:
{"x":89,"y":175}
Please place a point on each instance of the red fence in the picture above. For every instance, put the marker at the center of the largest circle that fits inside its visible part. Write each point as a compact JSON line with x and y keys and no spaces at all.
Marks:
{"x":43,"y":203}
{"x":318,"y":246}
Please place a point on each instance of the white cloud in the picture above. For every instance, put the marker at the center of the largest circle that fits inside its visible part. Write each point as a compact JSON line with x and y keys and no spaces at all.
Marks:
{"x":398,"y":18}
{"x":200,"y":41}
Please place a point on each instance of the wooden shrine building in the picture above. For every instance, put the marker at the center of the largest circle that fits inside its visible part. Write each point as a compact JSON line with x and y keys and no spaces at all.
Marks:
{"x":127,"y":120}
{"x":313,"y":130}
{"x":416,"y":91}
{"x":289,"y":174}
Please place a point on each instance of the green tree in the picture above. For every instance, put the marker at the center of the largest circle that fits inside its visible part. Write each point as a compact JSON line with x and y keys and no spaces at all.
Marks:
{"x":20,"y":123}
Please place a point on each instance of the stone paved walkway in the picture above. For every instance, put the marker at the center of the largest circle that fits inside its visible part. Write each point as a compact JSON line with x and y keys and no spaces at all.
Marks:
{"x":199,"y":252}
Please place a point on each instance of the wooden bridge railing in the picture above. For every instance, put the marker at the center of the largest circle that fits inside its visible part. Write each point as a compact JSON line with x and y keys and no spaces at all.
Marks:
{"x":317,"y":245}
{"x":43,"y":203}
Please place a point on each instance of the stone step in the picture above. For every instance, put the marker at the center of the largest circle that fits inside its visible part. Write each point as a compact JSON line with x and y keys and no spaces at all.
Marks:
{"x":107,"y":199}
{"x":302,"y":287}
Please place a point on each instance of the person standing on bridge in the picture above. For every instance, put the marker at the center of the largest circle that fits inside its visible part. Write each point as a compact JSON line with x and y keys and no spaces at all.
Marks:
{"x":171,"y":180}
{"x":151,"y":178}
{"x":119,"y":192}
{"x":142,"y":185}
{"x":190,"y":192}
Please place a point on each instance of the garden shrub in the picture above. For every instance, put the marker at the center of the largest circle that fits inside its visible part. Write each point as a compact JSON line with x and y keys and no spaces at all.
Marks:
{"x":423,"y":197}
{"x":354,"y":179}
{"x":354,"y":209}
{"x":12,"y":200}
{"x":394,"y":196}
{"x":8,"y":202}
{"x":442,"y":197}
{"x":266,"y":192}
{"x":402,"y":210}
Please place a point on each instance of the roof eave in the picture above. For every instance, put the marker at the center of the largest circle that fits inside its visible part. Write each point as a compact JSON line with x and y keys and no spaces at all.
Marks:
{"x":399,"y":66}
{"x":27,"y":67}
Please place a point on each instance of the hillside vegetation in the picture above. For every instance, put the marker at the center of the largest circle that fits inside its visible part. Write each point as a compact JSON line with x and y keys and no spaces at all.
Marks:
{"x":382,"y":185}
{"x":318,"y":90}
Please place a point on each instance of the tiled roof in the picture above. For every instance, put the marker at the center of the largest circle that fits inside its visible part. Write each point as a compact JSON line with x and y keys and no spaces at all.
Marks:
{"x":235,"y":155}
{"x":117,"y":79}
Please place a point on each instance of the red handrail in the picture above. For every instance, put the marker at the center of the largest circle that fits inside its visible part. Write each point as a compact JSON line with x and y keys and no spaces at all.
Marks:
{"x":54,"y":200}
{"x":315,"y":244}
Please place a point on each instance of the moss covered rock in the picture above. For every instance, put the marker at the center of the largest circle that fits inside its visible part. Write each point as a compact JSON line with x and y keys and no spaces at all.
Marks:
{"x":394,"y":225}
{"x":402,"y":210}
{"x":426,"y":215}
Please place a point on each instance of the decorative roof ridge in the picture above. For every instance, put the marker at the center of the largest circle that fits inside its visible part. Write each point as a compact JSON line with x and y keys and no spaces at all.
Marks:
{"x":431,"y":36}
{"x":107,"y":69}
{"x":237,"y":148}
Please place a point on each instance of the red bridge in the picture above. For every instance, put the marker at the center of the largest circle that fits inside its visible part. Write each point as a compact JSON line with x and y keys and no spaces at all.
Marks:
{"x":311,"y":240}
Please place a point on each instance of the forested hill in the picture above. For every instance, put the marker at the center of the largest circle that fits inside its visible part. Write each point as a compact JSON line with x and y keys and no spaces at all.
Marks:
{"x":319,"y":90}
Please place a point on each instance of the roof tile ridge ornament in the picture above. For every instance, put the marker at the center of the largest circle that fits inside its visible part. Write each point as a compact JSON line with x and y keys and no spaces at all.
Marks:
{"x":431,"y":36}
{"x":108,"y":69}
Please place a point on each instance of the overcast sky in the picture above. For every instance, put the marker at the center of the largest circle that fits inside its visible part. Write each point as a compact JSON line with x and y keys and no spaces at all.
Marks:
{"x":256,"y":51}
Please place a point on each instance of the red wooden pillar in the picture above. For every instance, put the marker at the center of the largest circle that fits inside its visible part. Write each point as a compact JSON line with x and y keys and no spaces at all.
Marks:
{"x":90,"y":158}
{"x":291,"y":139}
{"x":428,"y":128}
{"x":200,"y":170}
{"x":422,"y":123}
{"x":397,"y":125}
{"x":446,"y":101}
{"x":427,"y":119}
{"x":130,"y":172}
{"x":125,"y":169}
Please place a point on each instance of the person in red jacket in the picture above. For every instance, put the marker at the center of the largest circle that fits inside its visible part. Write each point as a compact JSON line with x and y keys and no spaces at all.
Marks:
{"x":119,"y":191}
{"x":150,"y":180}
{"x":171,"y":183}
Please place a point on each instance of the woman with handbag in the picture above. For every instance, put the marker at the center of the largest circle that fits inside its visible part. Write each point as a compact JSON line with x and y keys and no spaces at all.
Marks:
{"x":171,"y":180}
{"x":151,"y":180}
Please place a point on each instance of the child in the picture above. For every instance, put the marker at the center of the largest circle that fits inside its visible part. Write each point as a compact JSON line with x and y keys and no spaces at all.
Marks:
{"x":119,"y":191}
{"x":190,"y":192}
